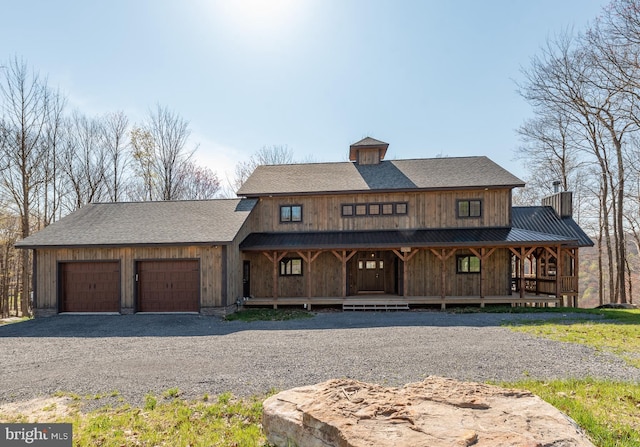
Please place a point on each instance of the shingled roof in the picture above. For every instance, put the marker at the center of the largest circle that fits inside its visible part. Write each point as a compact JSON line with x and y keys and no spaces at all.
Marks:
{"x":392,"y":175}
{"x":146,"y":223}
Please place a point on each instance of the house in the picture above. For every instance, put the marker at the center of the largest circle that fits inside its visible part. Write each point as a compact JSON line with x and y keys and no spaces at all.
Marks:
{"x":368,"y":233}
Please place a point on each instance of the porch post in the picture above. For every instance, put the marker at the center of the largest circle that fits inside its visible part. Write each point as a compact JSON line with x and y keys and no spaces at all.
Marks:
{"x":344,"y":258}
{"x":559,"y":266}
{"x":443,"y":256}
{"x":405,"y":257}
{"x":482,"y":255}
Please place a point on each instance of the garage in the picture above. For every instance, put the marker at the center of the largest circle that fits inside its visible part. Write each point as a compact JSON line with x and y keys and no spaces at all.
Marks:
{"x":90,"y":286}
{"x":168,"y":285}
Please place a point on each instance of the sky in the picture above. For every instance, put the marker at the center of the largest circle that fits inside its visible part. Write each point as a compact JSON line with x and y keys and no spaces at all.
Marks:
{"x":431,"y":78}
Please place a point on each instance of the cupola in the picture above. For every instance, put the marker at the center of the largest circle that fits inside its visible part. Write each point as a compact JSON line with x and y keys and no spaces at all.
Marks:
{"x":368,"y":151}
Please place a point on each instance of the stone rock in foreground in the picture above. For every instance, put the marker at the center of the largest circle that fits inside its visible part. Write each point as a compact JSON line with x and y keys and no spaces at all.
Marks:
{"x":436,"y":412}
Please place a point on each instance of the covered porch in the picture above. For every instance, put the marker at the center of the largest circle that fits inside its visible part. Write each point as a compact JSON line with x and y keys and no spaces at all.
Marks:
{"x":401,"y":269}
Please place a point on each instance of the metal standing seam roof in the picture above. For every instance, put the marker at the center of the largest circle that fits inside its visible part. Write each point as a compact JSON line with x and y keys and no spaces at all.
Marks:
{"x":392,"y":175}
{"x":146,"y":223}
{"x":544,"y":219}
{"x":399,"y":238}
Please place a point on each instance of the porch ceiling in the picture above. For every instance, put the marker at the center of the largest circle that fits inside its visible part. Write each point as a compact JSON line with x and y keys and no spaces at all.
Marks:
{"x":460,"y":237}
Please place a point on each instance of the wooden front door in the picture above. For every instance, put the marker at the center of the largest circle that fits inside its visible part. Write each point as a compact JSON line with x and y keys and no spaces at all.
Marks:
{"x":371,"y":275}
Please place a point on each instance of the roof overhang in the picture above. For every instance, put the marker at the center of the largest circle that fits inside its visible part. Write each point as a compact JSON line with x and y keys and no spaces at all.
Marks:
{"x":387,"y":239}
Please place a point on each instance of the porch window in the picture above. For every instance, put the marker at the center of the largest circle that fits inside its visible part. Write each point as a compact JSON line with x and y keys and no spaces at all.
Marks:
{"x":291,"y":267}
{"x":291,"y":213}
{"x":469,"y":208}
{"x":468,"y":264}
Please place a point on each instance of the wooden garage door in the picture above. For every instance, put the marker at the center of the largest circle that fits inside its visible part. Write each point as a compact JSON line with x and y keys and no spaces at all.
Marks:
{"x":90,"y":286}
{"x":168,"y":286}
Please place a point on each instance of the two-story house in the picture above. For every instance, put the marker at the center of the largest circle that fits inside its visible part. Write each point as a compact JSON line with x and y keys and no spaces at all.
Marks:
{"x":368,"y":233}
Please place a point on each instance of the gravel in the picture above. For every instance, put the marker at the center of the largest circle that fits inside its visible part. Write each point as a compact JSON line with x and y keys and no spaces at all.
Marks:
{"x":139,"y":354}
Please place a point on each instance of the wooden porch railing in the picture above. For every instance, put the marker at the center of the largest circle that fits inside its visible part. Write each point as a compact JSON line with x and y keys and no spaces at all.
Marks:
{"x":568,"y":284}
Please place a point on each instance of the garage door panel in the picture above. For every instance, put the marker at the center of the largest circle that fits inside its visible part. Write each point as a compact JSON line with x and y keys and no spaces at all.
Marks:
{"x":90,"y":286}
{"x":168,"y":286}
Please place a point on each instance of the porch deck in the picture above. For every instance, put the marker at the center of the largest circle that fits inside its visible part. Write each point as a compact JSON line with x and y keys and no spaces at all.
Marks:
{"x":371,"y":302}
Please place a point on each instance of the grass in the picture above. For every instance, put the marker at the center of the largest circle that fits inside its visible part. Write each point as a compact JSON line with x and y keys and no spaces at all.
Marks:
{"x":13,"y":320}
{"x":167,"y":421}
{"x":617,"y":332}
{"x":264,"y":314}
{"x":609,"y":412}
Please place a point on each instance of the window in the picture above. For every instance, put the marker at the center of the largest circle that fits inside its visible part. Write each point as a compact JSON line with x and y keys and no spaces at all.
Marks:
{"x":373,"y":209}
{"x":469,"y":208}
{"x":468,"y":264}
{"x":291,"y":213}
{"x":291,"y":267}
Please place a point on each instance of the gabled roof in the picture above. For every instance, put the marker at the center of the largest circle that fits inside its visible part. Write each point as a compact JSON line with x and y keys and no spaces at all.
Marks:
{"x":146,"y":223}
{"x":367,"y":143}
{"x":545,"y":220}
{"x":458,"y":237}
{"x":392,"y":175}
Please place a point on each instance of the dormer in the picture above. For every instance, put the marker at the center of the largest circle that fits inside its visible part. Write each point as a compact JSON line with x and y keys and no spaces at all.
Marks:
{"x":368,"y":151}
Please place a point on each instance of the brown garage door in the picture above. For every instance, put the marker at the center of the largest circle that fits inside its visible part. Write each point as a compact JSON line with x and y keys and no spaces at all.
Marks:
{"x":90,"y":286}
{"x":168,"y":286}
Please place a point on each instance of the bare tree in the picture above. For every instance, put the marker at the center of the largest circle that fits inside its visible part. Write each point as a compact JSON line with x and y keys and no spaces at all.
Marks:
{"x":114,"y":139}
{"x":169,"y":134}
{"x":83,"y":161}
{"x":142,"y":154}
{"x":24,"y":98}
{"x":266,"y":155}
{"x":198,"y":183}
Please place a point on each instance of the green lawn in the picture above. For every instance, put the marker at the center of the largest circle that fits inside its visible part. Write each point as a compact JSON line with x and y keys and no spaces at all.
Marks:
{"x":618,"y":332}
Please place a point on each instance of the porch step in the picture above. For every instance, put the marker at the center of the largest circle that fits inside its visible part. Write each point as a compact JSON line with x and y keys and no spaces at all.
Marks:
{"x":375,"y":306}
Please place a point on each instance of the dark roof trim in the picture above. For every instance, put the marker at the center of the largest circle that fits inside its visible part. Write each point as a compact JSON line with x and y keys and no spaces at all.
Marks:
{"x":385,"y":239}
{"x":19,"y":244}
{"x":381,"y":191}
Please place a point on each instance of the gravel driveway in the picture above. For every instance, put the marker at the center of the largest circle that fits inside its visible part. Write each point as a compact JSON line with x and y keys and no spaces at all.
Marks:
{"x":138,"y":354}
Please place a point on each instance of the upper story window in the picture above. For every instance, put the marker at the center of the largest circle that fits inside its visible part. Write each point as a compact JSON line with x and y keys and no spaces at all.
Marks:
{"x":374,"y":209}
{"x":291,"y":213}
{"x":468,"y":264}
{"x":469,"y":208}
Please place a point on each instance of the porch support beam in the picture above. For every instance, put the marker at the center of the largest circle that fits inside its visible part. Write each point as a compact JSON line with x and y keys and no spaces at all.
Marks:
{"x":483,"y":255}
{"x":308,"y":258}
{"x":344,"y":256}
{"x":405,"y":257}
{"x":559,"y":273}
{"x":275,"y":259}
{"x":443,"y":255}
{"x":521,"y":253}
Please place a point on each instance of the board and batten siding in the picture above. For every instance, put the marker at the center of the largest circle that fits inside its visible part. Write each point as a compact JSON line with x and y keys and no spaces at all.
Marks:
{"x":427,"y":209}
{"x":424,"y":273}
{"x":211,"y":279}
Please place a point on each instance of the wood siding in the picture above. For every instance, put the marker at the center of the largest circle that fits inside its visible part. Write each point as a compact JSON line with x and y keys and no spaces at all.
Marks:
{"x":424,"y":275}
{"x":436,"y":209}
{"x":210,"y":270}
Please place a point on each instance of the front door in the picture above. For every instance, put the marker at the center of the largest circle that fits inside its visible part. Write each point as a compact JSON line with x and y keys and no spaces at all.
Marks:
{"x":371,"y":275}
{"x":246,"y":279}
